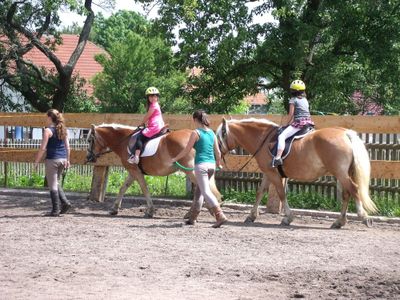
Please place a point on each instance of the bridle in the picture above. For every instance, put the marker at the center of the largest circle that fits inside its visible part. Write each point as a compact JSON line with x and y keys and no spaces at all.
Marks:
{"x":92,"y":156}
{"x":224,"y":136}
{"x":92,"y":139}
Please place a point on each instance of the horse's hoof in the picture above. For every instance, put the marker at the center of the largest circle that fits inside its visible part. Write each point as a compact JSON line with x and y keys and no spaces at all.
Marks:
{"x":336,"y":225}
{"x":249,"y":220}
{"x":187,"y":215}
{"x":286,"y":221}
{"x":149,"y":214}
{"x":113,"y":212}
{"x":368,"y":222}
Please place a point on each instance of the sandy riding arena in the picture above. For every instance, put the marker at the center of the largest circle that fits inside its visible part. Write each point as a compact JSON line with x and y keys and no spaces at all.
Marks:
{"x":88,"y":254}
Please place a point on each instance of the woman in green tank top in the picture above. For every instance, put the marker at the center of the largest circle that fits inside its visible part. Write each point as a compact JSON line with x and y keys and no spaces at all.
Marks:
{"x":204,"y":141}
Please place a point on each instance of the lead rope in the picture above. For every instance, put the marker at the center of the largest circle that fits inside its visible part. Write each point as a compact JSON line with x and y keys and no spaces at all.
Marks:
{"x":189,"y":169}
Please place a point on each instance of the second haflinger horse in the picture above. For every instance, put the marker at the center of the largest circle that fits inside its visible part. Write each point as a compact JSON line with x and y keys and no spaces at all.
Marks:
{"x":336,"y":151}
{"x":105,"y":138}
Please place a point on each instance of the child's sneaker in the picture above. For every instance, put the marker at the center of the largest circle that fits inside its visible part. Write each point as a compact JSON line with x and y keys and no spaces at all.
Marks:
{"x":133,"y":159}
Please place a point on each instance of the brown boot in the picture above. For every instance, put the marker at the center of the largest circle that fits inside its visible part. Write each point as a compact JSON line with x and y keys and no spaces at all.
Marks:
{"x":219,"y":216}
{"x":193,"y":217}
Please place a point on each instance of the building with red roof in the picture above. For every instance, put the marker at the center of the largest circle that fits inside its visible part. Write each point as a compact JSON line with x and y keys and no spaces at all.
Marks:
{"x":86,"y":66}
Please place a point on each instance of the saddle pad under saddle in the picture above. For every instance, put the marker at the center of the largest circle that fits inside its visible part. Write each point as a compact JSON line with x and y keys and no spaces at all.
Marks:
{"x":150,"y":147}
{"x":289,"y":141}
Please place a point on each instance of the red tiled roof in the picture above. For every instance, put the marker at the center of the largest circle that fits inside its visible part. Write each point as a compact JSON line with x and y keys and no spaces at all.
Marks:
{"x":86,"y":66}
{"x":257,"y":99}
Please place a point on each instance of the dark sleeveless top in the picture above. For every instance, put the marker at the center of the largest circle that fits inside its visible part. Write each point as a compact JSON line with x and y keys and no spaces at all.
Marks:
{"x":55,"y":147}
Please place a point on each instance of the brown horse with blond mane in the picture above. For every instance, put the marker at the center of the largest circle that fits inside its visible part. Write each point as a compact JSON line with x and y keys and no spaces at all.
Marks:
{"x":114,"y":137}
{"x":328,"y":151}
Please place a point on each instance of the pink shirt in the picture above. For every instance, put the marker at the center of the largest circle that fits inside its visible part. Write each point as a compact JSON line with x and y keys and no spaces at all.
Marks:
{"x":155,"y":122}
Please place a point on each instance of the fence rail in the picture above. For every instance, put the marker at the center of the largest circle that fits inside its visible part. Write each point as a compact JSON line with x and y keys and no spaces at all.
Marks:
{"x":246,"y":181}
{"x":380,"y":133}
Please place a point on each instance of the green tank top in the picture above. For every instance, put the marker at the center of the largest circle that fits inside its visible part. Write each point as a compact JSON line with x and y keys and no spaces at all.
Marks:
{"x":204,"y":146}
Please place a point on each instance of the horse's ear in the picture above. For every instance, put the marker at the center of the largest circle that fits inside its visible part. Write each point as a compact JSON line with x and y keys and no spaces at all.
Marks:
{"x":92,"y":126}
{"x":223,"y":121}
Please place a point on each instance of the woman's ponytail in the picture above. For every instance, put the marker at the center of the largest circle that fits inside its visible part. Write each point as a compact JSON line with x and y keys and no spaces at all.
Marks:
{"x":201,"y":116}
{"x":58,"y":119}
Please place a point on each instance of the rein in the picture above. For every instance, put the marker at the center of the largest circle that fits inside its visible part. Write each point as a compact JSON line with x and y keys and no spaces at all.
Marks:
{"x":258,"y":150}
{"x":97,"y":155}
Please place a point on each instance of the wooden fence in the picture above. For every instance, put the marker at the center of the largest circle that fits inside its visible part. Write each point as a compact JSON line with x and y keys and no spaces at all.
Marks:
{"x":381,"y":147}
{"x":381,"y":133}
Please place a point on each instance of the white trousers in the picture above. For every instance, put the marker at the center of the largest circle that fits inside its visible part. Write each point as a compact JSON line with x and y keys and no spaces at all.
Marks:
{"x":289,"y":131}
{"x":203,"y":172}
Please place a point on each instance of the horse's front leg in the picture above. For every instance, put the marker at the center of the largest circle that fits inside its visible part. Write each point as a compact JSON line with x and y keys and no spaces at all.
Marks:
{"x":117,"y":204}
{"x":150,"y":207}
{"x":260,"y":194}
{"x":280,"y":186}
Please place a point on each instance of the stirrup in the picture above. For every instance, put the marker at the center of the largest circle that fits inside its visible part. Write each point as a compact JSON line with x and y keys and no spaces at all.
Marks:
{"x":276,"y":162}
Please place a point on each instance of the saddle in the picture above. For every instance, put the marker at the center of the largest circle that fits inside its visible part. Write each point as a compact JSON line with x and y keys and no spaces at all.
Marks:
{"x":151,"y":145}
{"x":289,"y":141}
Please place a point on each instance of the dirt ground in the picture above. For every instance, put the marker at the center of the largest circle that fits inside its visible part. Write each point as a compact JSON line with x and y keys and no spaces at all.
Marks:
{"x":88,"y":254}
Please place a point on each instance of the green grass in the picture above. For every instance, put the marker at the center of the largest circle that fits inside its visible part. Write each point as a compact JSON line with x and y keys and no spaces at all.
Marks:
{"x":176,"y":188}
{"x":386,"y":206}
{"x":79,"y":183}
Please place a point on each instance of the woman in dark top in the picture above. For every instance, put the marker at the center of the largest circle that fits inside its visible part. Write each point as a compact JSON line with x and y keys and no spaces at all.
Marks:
{"x":55,"y":144}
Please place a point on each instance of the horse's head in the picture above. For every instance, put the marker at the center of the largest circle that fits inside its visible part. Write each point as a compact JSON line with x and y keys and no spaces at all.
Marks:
{"x":226,"y":142}
{"x":96,"y":146}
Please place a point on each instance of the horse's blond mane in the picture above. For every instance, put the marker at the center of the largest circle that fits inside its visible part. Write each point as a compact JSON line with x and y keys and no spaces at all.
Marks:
{"x":116,"y":126}
{"x":253,"y":120}
{"x":234,"y":121}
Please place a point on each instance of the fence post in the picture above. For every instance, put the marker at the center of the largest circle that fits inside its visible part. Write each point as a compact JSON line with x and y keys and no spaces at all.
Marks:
{"x":274,"y":203}
{"x":189,"y":187}
{"x":99,"y":183}
{"x":5,"y":174}
{"x":339,"y":191}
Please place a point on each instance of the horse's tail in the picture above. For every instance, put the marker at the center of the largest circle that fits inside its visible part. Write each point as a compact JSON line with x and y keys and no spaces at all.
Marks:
{"x":362,"y":170}
{"x":214,"y":189}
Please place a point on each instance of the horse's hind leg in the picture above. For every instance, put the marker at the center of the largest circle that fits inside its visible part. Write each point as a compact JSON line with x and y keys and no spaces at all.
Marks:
{"x":150,"y":207}
{"x":260,"y":194}
{"x":117,"y":204}
{"x":351,"y":188}
{"x":342,"y":220}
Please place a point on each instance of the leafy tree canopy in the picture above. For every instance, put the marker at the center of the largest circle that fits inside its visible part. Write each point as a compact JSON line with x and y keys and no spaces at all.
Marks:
{"x":107,"y":31}
{"x":26,"y":25}
{"x":133,"y":65}
{"x":337,"y":47}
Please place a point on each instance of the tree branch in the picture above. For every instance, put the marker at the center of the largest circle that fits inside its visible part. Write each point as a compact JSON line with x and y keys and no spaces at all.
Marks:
{"x":83,"y":37}
{"x":39,"y":73}
{"x":34,"y":40}
{"x":44,"y":27}
{"x":29,"y":94}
